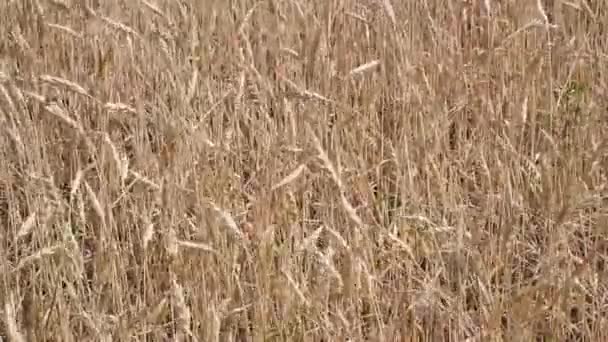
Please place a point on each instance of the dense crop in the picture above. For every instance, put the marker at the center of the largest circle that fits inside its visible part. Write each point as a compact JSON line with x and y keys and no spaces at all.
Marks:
{"x":289,"y":170}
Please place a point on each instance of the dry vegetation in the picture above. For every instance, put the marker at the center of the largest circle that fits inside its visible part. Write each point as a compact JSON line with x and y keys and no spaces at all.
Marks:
{"x":289,"y":170}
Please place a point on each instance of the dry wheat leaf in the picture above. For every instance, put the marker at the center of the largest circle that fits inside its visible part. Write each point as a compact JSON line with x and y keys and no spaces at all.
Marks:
{"x":389,"y":10}
{"x":365,"y":67}
{"x":291,"y":177}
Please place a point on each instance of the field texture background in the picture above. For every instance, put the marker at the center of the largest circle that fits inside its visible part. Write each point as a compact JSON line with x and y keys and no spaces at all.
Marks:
{"x":290,"y":170}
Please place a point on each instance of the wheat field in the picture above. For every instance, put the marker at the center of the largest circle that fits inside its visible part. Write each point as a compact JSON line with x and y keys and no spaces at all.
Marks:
{"x":303,"y":170}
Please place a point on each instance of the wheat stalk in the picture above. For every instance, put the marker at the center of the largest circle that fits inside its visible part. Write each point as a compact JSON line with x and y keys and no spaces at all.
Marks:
{"x":11,"y":322}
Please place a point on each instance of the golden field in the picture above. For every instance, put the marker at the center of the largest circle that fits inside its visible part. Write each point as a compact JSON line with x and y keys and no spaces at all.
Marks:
{"x":289,"y":170}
